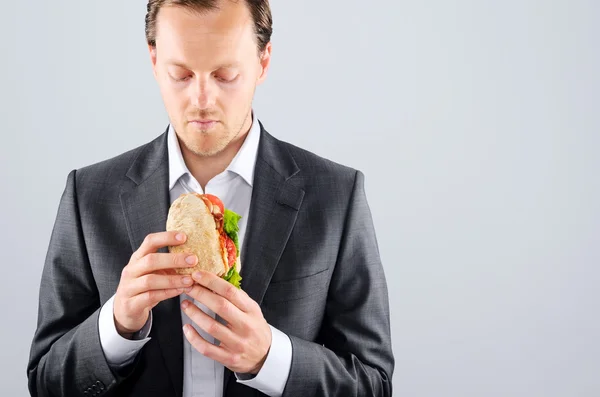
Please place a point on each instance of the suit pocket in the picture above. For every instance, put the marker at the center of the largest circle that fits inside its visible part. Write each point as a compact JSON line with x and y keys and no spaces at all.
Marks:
{"x":298,"y":288}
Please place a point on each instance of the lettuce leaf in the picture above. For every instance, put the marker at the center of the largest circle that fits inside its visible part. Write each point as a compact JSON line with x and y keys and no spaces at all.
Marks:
{"x":234,"y":278}
{"x":231,"y":227}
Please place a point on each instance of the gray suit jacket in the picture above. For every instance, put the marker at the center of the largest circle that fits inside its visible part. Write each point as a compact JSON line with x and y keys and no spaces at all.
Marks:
{"x":310,"y":259}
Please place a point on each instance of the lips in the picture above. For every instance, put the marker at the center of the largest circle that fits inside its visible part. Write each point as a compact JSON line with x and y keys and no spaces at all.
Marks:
{"x":204,"y":123}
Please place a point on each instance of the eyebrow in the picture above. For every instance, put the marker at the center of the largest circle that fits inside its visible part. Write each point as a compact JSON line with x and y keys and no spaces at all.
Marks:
{"x":223,"y":66}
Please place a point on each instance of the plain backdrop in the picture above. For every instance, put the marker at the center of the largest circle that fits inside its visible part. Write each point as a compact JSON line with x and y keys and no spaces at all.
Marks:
{"x":475,"y":122}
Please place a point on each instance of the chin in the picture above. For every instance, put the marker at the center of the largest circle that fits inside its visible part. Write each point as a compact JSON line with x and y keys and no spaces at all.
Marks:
{"x":206,"y":149}
{"x":208,"y":152}
{"x":205,"y":143}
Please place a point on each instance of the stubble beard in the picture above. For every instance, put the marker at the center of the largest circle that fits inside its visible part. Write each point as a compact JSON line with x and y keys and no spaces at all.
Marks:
{"x":221,"y":143}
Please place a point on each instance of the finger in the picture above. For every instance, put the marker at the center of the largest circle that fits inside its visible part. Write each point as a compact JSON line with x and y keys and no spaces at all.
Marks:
{"x":221,"y":287}
{"x":154,"y":241}
{"x":151,"y":282}
{"x":155,"y":262}
{"x":211,"y":326}
{"x":149,"y":299}
{"x":207,"y":349}
{"x":218,"y":304}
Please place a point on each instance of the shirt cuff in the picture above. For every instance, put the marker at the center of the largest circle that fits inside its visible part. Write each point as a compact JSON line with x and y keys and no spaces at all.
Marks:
{"x":273,"y":376}
{"x":119,"y":351}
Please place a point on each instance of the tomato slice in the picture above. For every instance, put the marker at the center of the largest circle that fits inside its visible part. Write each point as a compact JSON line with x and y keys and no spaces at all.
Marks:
{"x":231,"y":251}
{"x":216,"y":201}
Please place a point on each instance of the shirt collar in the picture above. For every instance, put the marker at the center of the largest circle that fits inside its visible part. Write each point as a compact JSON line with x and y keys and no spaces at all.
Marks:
{"x":242,"y":164}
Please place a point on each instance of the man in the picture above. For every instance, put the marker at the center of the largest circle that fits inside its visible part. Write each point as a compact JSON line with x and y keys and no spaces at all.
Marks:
{"x":312,"y":318}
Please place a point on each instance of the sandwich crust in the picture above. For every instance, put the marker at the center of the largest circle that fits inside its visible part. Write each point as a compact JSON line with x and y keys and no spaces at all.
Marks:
{"x":190,"y":215}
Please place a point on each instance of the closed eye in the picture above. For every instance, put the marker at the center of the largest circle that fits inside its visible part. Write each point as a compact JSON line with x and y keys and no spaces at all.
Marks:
{"x":180,"y":79}
{"x":226,"y":79}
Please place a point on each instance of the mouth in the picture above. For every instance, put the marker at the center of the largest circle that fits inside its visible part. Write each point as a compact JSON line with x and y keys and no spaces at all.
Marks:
{"x":204,"y":124}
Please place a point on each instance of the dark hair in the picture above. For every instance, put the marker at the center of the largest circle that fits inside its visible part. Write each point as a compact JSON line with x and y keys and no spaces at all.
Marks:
{"x":260,"y":10}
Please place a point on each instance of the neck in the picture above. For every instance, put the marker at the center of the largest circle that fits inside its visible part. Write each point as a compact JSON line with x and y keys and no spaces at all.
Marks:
{"x":204,"y":168}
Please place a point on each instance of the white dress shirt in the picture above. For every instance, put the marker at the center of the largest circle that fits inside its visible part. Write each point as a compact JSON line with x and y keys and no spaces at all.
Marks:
{"x":203,"y":376}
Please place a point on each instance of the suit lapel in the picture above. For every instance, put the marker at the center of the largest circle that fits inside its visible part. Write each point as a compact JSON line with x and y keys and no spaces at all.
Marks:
{"x":273,"y":210}
{"x":145,"y":207}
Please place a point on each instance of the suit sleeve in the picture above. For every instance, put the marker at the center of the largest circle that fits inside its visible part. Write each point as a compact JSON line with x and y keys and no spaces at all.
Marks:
{"x":354,"y":356}
{"x":66,"y":357}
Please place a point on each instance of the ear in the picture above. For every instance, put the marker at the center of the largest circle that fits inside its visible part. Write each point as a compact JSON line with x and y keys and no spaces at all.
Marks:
{"x":265,"y":62}
{"x":152,"y":51}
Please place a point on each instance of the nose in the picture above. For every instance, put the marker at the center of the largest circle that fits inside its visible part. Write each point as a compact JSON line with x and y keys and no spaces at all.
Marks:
{"x":203,"y":94}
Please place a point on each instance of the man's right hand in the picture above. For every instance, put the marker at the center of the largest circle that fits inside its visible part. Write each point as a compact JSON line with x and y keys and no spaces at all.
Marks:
{"x":146,"y":281}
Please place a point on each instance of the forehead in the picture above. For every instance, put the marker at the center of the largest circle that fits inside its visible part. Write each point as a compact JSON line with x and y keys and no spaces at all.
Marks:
{"x":219,"y":35}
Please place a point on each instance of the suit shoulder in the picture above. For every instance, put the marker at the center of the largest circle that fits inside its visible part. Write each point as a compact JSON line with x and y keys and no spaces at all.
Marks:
{"x":318,"y":166}
{"x":104,"y":174}
{"x":328,"y":185}
{"x":109,"y":168}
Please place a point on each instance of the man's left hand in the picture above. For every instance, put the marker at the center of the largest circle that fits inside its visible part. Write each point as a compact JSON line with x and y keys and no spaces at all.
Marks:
{"x":245,"y":339}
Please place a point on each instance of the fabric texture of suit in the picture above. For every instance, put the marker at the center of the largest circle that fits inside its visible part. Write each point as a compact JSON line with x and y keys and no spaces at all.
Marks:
{"x":310,"y":259}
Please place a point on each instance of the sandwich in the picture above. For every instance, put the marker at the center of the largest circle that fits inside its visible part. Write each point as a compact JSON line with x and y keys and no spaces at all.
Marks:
{"x":212,"y":235}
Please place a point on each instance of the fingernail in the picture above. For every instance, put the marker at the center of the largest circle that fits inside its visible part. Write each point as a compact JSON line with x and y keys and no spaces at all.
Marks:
{"x":180,"y":236}
{"x":186,"y":330}
{"x":191,"y":259}
{"x":187,"y":280}
{"x":185,"y":304}
{"x":196,"y":275}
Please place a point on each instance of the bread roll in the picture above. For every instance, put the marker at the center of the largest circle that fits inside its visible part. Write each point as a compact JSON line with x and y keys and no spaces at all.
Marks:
{"x":190,"y":215}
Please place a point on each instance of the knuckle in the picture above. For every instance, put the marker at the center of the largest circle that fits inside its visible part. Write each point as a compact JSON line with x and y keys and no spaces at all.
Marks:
{"x":212,"y":327}
{"x":148,"y":297}
{"x":147,"y":240}
{"x":153,"y":238}
{"x":239,"y":347}
{"x":193,"y":292}
{"x":230,"y":292}
{"x":199,"y":292}
{"x":146,"y":282}
{"x":245,"y":329}
{"x":149,"y":260}
{"x":224,"y":307}
{"x":235,"y":360}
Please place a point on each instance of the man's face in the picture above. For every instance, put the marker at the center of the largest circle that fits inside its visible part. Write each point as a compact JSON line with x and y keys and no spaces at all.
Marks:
{"x":207,"y":67}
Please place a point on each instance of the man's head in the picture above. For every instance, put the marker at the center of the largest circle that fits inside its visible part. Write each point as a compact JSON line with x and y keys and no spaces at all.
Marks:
{"x":208,"y":57}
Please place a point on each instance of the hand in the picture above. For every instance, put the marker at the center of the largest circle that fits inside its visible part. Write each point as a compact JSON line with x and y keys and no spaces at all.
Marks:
{"x":245,"y":340}
{"x":146,"y":281}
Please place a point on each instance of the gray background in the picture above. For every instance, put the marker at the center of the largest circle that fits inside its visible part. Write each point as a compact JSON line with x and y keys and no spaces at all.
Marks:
{"x":475,"y":122}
